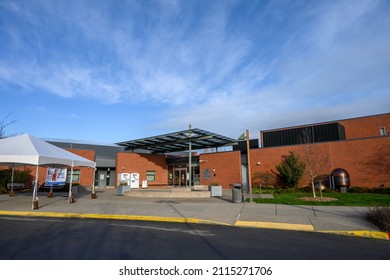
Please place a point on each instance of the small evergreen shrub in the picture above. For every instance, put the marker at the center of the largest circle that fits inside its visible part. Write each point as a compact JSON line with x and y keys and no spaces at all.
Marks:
{"x":291,"y":170}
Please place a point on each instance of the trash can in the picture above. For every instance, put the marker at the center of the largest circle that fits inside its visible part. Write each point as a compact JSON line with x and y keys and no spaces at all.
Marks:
{"x":120,"y":190}
{"x":237,"y":193}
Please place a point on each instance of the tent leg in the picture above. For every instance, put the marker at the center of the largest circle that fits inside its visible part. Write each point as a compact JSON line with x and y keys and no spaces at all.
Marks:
{"x":35,"y":192}
{"x":50,"y":193}
{"x":93,"y":194}
{"x":70,"y":197}
{"x":12,"y":193}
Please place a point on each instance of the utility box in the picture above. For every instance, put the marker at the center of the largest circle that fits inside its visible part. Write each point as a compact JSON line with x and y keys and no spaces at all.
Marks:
{"x":134,"y":180}
{"x":124,"y":182}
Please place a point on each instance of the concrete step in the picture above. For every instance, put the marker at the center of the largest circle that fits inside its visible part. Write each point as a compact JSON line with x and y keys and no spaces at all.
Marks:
{"x":173,"y":192}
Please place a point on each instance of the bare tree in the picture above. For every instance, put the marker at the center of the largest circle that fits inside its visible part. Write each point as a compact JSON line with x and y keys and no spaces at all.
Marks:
{"x":4,"y":123}
{"x":263,"y":179}
{"x":315,"y":158}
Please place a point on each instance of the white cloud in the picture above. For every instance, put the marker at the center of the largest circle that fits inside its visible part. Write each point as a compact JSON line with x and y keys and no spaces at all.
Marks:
{"x":346,"y":77}
{"x":275,"y":64}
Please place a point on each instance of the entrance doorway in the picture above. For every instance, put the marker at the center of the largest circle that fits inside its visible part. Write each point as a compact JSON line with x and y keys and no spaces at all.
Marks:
{"x":105,"y":177}
{"x":178,"y":171}
{"x":102,"y":178}
{"x":180,"y":177}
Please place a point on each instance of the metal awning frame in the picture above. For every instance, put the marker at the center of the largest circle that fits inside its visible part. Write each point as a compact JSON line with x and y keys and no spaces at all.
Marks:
{"x":178,"y":142}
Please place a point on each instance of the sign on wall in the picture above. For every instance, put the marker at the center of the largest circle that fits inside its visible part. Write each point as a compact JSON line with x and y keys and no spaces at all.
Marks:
{"x":206,"y":174}
{"x":55,"y":177}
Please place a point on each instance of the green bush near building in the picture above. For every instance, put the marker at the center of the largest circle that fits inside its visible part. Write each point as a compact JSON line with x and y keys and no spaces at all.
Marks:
{"x":20,"y":176}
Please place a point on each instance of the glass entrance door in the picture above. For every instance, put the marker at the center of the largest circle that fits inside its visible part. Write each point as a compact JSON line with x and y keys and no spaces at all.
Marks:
{"x":180,"y":177}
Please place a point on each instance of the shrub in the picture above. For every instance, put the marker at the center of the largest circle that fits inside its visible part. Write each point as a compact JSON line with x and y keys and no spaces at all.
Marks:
{"x":20,"y":176}
{"x":380,"y":190}
{"x":291,"y":170}
{"x":263,"y":179}
{"x":357,"y":189}
{"x":305,"y":189}
{"x":380,"y":216}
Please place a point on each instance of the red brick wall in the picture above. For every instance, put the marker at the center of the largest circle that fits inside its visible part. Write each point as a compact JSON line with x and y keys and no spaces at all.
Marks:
{"x":227,"y":166}
{"x":86,"y":173}
{"x":366,"y":160}
{"x":140,"y":163}
{"x":366,"y":126}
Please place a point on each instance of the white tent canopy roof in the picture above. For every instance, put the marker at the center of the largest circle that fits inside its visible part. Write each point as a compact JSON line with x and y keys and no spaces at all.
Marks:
{"x":26,"y":149}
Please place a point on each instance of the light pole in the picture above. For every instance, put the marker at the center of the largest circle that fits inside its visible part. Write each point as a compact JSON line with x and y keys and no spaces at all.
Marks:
{"x":249,"y":166}
{"x":189,"y":157}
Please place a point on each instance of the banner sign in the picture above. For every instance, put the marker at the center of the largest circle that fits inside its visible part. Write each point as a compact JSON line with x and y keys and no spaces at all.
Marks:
{"x":55,"y":177}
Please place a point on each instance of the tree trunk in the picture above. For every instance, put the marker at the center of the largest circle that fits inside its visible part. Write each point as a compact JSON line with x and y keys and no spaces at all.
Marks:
{"x":313,"y":188}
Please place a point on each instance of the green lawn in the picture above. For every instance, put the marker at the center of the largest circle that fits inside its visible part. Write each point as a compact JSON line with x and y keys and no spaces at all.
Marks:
{"x":343,"y":199}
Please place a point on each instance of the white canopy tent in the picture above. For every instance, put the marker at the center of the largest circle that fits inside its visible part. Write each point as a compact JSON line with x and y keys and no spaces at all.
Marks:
{"x":28,"y":150}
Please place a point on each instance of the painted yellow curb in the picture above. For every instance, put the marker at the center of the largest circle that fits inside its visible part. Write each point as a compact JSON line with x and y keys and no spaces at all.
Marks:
{"x":271,"y":225}
{"x":361,"y":233}
{"x":111,"y":217}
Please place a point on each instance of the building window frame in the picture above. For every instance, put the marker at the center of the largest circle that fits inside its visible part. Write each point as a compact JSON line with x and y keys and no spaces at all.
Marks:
{"x":76,"y":176}
{"x":151,"y":175}
{"x":382,"y":131}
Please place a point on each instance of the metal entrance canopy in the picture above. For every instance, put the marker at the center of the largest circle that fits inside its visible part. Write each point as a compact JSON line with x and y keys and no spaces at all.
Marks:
{"x":179,"y":141}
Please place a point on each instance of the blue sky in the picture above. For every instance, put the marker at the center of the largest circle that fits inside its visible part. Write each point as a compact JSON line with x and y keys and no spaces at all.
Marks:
{"x":110,"y":71}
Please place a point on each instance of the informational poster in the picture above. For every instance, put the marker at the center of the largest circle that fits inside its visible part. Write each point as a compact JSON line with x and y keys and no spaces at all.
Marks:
{"x":55,"y":177}
{"x":206,"y":174}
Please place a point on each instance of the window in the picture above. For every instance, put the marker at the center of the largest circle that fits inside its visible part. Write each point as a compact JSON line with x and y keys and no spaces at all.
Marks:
{"x":75,"y":177}
{"x":382,"y":131}
{"x":150,"y":176}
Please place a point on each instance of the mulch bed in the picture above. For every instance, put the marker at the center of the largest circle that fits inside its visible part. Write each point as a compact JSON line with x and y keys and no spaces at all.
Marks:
{"x":318,"y":199}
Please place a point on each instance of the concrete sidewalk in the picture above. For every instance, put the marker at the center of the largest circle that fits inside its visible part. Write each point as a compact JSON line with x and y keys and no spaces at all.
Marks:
{"x":212,"y":210}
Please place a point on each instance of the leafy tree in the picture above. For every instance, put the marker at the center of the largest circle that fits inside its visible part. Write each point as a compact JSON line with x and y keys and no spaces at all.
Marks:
{"x":291,"y":170}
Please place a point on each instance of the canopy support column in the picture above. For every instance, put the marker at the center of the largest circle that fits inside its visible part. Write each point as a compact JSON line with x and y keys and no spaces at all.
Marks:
{"x":35,"y":191}
{"x":70,"y":197}
{"x":12,"y":193}
{"x":93,"y":194}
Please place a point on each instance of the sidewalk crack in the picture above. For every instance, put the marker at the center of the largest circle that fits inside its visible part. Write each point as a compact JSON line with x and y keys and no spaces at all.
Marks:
{"x":314,"y":211}
{"x":239,"y":213}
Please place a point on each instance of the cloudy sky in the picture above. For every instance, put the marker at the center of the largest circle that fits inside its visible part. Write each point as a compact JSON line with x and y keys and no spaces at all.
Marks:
{"x":108,"y":71}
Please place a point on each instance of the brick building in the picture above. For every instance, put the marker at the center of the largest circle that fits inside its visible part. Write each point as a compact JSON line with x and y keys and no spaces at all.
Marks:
{"x":359,"y":145}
